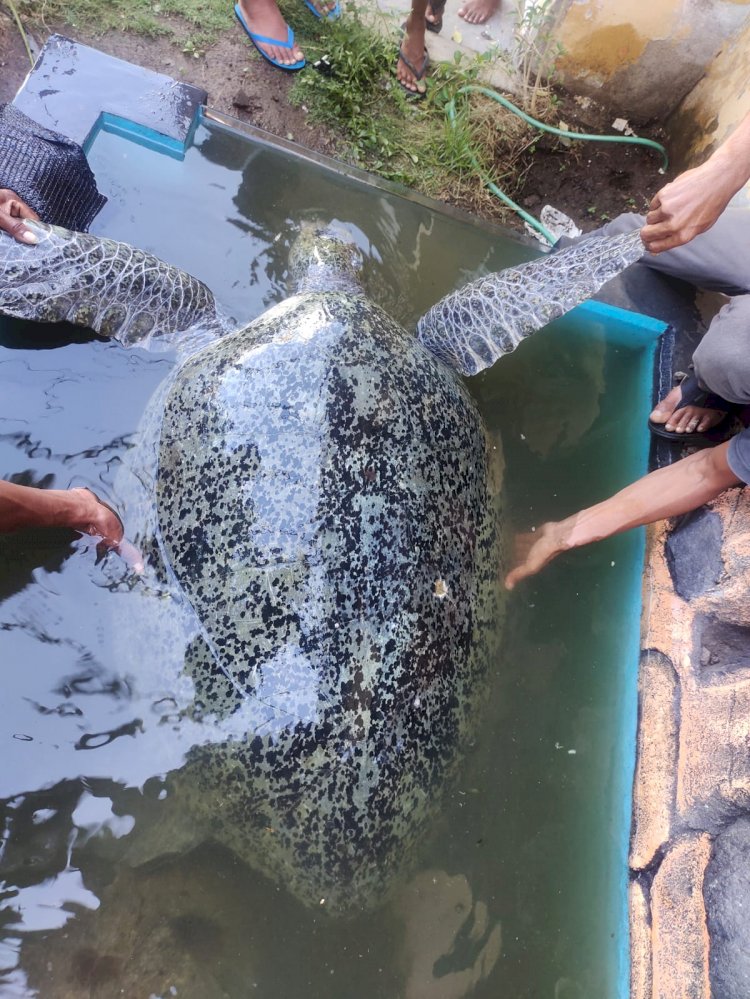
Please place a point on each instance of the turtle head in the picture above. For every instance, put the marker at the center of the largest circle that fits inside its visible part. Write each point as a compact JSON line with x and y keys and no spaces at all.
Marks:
{"x":324,"y":256}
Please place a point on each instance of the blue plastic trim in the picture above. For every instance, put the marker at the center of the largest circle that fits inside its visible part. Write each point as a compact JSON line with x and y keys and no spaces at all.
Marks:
{"x":644,"y":329}
{"x":631,"y":655}
{"x":142,"y":135}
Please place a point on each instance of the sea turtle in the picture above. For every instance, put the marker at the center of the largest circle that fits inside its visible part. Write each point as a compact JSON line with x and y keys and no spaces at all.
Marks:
{"x":327,"y":515}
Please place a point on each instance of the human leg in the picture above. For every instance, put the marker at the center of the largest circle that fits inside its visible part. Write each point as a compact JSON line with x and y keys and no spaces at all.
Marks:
{"x":412,"y":59}
{"x":434,"y":15}
{"x":715,"y":260}
{"x":721,"y":364}
{"x":703,"y":406}
{"x":722,"y":358}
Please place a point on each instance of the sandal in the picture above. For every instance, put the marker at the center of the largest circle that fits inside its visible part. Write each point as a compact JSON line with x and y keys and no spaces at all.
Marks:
{"x":419,"y":74}
{"x":436,"y":7}
{"x":259,"y":40}
{"x":691,"y":394}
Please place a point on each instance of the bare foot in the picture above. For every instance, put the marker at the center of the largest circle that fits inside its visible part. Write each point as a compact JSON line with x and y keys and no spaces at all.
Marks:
{"x":686,"y":419}
{"x":412,"y":58}
{"x":479,"y":11}
{"x":263,"y":17}
{"x":324,"y":7}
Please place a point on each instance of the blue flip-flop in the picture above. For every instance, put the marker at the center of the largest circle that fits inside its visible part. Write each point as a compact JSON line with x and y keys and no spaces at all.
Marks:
{"x":333,"y":14}
{"x":259,"y":40}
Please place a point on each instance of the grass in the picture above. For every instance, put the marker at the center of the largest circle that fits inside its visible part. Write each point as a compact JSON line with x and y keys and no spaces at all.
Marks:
{"x":194,"y":24}
{"x":402,"y":139}
{"x":381,"y":128}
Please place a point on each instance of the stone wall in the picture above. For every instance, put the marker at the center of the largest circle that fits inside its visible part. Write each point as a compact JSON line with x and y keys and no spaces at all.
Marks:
{"x":690,"y":846}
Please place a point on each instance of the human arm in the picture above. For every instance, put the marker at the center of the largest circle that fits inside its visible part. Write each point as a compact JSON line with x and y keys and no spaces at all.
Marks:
{"x":667,"y":492}
{"x":76,"y":509}
{"x":12,"y":213}
{"x":692,"y":202}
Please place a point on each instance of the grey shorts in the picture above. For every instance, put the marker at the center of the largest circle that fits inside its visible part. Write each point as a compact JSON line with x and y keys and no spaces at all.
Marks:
{"x":738,"y":455}
{"x":718,"y":260}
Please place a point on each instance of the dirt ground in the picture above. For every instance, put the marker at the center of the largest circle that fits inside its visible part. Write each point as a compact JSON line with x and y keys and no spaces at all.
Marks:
{"x":591,"y":182}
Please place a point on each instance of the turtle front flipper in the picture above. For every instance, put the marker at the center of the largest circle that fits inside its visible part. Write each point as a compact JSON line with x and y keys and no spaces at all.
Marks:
{"x":474,"y":326}
{"x":109,"y":287}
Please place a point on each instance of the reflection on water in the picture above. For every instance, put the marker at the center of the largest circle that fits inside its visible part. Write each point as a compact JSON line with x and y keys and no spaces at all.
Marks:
{"x":106,"y":891}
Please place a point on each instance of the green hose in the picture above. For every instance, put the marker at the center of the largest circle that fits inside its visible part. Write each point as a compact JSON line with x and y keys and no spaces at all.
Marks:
{"x":535,"y":223}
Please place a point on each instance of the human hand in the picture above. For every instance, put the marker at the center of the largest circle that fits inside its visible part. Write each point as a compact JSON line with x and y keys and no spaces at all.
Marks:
{"x":12,"y":213}
{"x":534,"y":550}
{"x":97,"y":519}
{"x":689,"y":205}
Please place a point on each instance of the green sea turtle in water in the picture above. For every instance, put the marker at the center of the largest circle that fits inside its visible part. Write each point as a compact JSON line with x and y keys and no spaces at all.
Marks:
{"x":325,"y":502}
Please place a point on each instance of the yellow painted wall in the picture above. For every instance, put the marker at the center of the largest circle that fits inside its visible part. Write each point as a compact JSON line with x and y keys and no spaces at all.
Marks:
{"x":600,"y":36}
{"x":642,"y":57}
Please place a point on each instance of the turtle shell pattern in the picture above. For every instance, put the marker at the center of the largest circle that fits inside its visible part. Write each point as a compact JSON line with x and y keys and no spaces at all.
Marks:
{"x":328,"y":500}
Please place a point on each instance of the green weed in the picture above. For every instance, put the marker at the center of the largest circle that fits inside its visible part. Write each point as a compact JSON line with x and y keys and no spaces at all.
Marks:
{"x":387,"y":131}
{"x":195,"y":24}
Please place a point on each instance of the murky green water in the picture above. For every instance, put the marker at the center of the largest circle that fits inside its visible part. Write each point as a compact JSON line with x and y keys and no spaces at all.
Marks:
{"x":519,"y":891}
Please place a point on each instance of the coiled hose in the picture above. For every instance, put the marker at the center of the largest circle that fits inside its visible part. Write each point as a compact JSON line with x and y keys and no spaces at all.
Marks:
{"x":450,"y":109}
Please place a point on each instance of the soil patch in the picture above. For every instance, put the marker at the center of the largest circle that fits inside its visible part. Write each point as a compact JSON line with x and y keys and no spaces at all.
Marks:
{"x":592,"y":182}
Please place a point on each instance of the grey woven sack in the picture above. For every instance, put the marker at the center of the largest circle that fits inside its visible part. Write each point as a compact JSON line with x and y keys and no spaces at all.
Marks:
{"x":48,"y":171}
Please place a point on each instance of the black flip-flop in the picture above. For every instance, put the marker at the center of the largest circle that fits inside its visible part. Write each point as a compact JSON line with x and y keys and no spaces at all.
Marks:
{"x":691,"y":394}
{"x":434,"y":26}
{"x":437,"y":7}
{"x":419,"y":74}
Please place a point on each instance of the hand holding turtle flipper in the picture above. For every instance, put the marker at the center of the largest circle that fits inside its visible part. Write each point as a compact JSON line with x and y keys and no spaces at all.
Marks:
{"x":695,"y":199}
{"x":683,"y":209}
{"x":13,"y":211}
